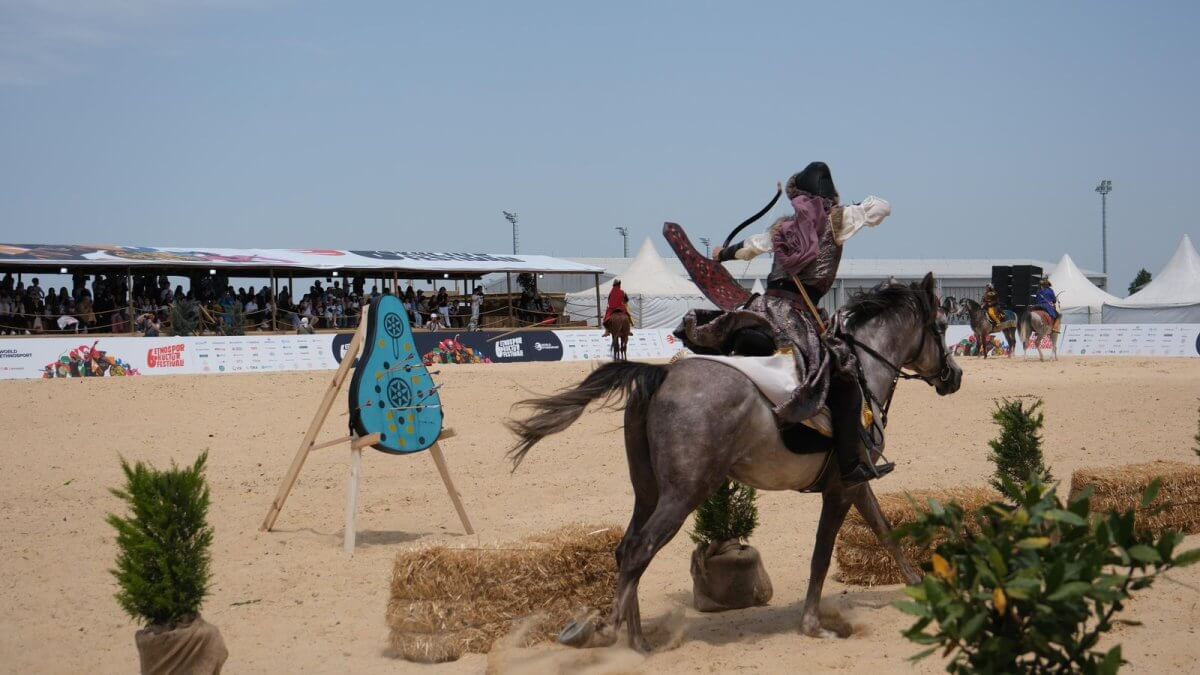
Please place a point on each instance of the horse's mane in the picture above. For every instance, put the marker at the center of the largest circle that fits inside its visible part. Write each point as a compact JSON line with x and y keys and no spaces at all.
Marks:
{"x":886,"y":299}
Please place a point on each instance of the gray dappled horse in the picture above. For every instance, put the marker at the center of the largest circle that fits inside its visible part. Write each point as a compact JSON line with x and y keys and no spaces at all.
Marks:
{"x":692,"y":424}
{"x":1037,"y":322}
{"x":981,"y":327}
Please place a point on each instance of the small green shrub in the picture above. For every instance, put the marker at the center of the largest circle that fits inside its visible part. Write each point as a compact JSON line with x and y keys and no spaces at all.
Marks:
{"x":1017,"y":453}
{"x":730,"y":513}
{"x":1196,"y":447}
{"x":163,"y":559}
{"x":185,"y":317}
{"x":1036,"y":588}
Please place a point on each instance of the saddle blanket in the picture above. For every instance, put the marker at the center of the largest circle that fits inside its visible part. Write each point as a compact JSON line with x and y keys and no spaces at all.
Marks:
{"x":775,"y":377}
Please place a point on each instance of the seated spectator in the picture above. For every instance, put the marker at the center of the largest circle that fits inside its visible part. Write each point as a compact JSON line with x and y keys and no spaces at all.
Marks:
{"x":304,"y":328}
{"x":435,"y":321}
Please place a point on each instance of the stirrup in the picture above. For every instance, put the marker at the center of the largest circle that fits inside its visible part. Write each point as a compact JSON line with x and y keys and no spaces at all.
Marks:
{"x":864,"y":472}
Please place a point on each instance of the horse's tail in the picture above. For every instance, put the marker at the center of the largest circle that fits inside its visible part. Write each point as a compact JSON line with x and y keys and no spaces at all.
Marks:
{"x":635,"y":383}
{"x":1025,"y":327}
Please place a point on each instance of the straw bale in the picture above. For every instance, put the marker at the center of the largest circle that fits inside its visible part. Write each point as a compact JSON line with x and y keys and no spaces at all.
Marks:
{"x":1120,"y":488}
{"x":863,"y":561}
{"x":448,"y":601}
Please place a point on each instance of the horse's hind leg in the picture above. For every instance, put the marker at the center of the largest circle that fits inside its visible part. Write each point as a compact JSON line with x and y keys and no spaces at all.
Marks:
{"x":645,"y":496}
{"x":835,"y":502}
{"x":639,"y":550}
{"x":868,"y":505}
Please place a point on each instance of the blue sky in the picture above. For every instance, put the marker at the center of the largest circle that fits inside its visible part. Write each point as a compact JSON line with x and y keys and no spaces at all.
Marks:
{"x":412,"y":125}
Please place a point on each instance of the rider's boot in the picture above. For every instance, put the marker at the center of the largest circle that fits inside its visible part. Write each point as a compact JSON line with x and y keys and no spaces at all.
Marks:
{"x":852,"y":437}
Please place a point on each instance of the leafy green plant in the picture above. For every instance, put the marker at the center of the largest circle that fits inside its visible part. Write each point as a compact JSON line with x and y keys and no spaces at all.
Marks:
{"x":185,"y":317}
{"x":730,"y":513}
{"x":235,"y":323}
{"x":1039,"y":584}
{"x":1018,"y":451}
{"x":163,"y":544}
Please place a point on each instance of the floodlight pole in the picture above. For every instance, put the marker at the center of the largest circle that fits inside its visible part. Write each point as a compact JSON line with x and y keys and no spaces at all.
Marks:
{"x":707,"y":246}
{"x":624,"y":240}
{"x":511,"y":216}
{"x":1104,"y":188}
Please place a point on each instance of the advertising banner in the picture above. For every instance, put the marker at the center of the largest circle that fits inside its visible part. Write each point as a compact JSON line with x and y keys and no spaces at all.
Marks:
{"x":101,"y":356}
{"x":1127,"y":339}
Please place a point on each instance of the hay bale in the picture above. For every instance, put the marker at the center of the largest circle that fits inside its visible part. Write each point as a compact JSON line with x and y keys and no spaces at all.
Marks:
{"x":863,"y":561}
{"x":1120,"y":488}
{"x":448,"y":601}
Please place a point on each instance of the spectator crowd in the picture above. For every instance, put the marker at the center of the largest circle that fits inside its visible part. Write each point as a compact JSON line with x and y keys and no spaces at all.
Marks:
{"x":212,"y":305}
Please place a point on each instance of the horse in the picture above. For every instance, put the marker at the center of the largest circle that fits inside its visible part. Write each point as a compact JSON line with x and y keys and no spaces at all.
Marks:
{"x":983,"y":328}
{"x":694,"y":423}
{"x":1037,"y":322}
{"x":620,"y":326}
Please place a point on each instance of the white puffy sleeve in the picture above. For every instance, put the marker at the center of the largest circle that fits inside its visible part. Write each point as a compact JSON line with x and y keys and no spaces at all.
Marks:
{"x":870,"y":213}
{"x":754,"y":246}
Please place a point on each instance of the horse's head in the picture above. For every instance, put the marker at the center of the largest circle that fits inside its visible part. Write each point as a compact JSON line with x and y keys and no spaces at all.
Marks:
{"x":907,"y":332}
{"x":932,"y":360}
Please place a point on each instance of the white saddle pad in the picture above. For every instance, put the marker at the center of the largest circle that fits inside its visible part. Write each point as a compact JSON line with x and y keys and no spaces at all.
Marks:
{"x":775,"y":377}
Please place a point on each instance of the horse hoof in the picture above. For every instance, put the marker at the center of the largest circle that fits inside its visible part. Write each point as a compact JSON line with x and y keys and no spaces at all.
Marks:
{"x":818,"y":632}
{"x":577,"y":633}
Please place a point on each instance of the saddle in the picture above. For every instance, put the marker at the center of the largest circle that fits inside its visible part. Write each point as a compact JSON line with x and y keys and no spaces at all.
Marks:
{"x":775,"y":378}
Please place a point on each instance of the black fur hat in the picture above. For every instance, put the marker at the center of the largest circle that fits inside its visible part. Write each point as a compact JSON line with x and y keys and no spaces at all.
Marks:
{"x":815,"y":179}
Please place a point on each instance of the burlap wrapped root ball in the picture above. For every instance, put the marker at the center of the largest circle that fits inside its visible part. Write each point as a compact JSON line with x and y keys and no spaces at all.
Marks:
{"x":449,"y":601}
{"x":863,"y":561}
{"x":1120,"y":488}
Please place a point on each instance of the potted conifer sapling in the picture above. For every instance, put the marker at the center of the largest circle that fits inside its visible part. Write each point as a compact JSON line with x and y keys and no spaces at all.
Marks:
{"x":162,"y":567}
{"x":727,"y":573}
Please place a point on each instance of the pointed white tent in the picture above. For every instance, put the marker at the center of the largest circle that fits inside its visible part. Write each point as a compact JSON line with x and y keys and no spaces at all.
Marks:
{"x":758,"y":287}
{"x":658,"y":297}
{"x":1172,"y":297}
{"x":1081,"y":300}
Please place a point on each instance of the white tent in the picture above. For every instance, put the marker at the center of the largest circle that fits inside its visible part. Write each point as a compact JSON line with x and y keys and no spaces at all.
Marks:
{"x":1079,"y":298}
{"x":658,"y":298}
{"x":1172,"y":297}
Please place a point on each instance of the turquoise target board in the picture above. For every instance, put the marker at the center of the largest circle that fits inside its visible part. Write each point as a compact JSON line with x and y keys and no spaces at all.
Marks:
{"x":391,"y":393}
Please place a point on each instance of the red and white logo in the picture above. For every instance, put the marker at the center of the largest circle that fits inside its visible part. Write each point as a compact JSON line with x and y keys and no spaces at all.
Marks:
{"x":165,"y":357}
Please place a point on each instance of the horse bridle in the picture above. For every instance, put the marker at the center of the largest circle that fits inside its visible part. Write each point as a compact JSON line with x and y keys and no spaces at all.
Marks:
{"x":898,"y":370}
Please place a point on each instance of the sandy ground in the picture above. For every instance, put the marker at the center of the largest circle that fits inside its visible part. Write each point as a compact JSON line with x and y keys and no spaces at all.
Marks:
{"x":290,"y":601}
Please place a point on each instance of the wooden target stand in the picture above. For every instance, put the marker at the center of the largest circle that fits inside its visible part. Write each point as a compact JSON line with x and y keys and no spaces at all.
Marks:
{"x":357,"y":444}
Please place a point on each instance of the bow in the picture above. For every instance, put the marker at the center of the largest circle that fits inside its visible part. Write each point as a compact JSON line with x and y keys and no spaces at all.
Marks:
{"x":754,"y":217}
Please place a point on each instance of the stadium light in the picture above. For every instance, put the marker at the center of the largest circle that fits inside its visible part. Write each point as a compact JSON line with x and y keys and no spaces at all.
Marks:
{"x":707,"y":246}
{"x":335,"y":273}
{"x":511,"y":216}
{"x":62,"y":270}
{"x":212,"y":273}
{"x":624,"y":240}
{"x":1103,"y":189}
{"x":445,"y":275}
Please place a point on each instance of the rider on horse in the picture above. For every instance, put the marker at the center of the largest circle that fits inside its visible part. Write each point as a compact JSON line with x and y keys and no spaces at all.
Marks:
{"x":1047,"y":301}
{"x":991,"y":303}
{"x":808,"y":250}
{"x":618,"y":301}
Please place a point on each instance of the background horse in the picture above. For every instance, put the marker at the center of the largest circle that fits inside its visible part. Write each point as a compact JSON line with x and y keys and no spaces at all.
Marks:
{"x":1038,"y":323}
{"x":620,"y":326}
{"x":981,"y":326}
{"x":692,"y":424}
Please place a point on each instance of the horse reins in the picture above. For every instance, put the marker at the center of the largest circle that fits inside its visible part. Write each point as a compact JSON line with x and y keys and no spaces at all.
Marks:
{"x":898,"y":372}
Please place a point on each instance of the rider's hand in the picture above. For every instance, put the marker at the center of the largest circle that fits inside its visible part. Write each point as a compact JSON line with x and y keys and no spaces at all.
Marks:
{"x":716,"y":254}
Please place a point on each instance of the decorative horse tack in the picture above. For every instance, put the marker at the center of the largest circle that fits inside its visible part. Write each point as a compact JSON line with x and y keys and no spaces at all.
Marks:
{"x":394,"y":407}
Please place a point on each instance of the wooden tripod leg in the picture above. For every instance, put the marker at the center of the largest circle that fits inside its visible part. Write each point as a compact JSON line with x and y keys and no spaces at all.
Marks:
{"x":310,"y":437}
{"x":352,"y":500}
{"x":440,"y":461}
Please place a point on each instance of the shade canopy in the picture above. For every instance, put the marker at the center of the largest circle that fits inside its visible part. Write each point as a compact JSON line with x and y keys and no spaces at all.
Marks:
{"x":1173,"y":296}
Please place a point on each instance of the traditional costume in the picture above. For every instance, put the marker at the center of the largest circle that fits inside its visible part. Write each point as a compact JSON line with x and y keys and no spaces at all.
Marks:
{"x":1047,"y":301}
{"x":991,"y":304}
{"x":808,"y":250}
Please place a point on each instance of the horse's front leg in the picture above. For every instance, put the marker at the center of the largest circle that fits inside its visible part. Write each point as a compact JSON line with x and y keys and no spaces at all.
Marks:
{"x":868,"y":506}
{"x":835,"y":502}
